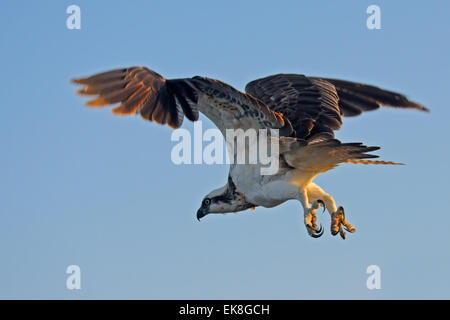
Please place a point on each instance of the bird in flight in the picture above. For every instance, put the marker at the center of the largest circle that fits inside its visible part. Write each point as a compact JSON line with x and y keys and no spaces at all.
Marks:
{"x":305,"y":110}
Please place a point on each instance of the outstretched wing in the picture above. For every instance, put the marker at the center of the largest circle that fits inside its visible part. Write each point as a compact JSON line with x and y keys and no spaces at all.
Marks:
{"x":315,"y":105}
{"x":142,"y":91}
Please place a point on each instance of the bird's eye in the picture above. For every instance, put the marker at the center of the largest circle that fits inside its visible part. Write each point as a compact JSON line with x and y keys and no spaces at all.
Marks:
{"x":207,"y":201}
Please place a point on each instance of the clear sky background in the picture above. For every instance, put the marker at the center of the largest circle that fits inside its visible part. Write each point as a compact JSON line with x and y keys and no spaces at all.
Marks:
{"x":80,"y":186}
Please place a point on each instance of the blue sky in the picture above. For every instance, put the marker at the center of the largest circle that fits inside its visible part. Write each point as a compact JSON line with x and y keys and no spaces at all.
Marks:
{"x":84,"y":187}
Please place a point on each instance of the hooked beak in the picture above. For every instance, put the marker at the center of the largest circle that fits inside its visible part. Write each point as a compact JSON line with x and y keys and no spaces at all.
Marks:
{"x":201,"y":213}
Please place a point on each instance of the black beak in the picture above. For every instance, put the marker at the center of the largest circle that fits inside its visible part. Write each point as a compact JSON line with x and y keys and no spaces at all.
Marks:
{"x":200,"y":214}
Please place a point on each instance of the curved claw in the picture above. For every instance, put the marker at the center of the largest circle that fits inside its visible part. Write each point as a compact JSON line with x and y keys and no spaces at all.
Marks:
{"x":318,"y":233}
{"x":350,"y":230}
{"x":342,"y":232}
{"x":322,"y":203}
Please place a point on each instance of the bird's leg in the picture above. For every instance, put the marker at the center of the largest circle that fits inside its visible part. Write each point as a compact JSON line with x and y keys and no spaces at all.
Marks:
{"x":310,"y":218}
{"x":338,"y":222}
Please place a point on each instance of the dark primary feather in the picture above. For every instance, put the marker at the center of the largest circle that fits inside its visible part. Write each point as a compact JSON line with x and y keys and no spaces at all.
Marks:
{"x":315,"y":105}
{"x":363,"y":97}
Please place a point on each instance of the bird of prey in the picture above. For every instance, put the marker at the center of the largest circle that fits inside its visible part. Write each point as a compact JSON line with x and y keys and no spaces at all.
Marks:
{"x":305,"y":110}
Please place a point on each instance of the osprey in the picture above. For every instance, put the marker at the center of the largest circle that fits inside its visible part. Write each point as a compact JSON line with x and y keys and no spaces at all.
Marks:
{"x":305,"y":110}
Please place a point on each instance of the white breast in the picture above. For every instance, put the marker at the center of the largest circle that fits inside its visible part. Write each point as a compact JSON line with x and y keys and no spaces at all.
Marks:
{"x":265,"y":191}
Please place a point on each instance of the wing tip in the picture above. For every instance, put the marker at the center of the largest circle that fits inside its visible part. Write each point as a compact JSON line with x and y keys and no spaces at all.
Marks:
{"x":378,"y":162}
{"x":98,"y":102}
{"x":418,"y":106}
{"x":78,"y":81}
